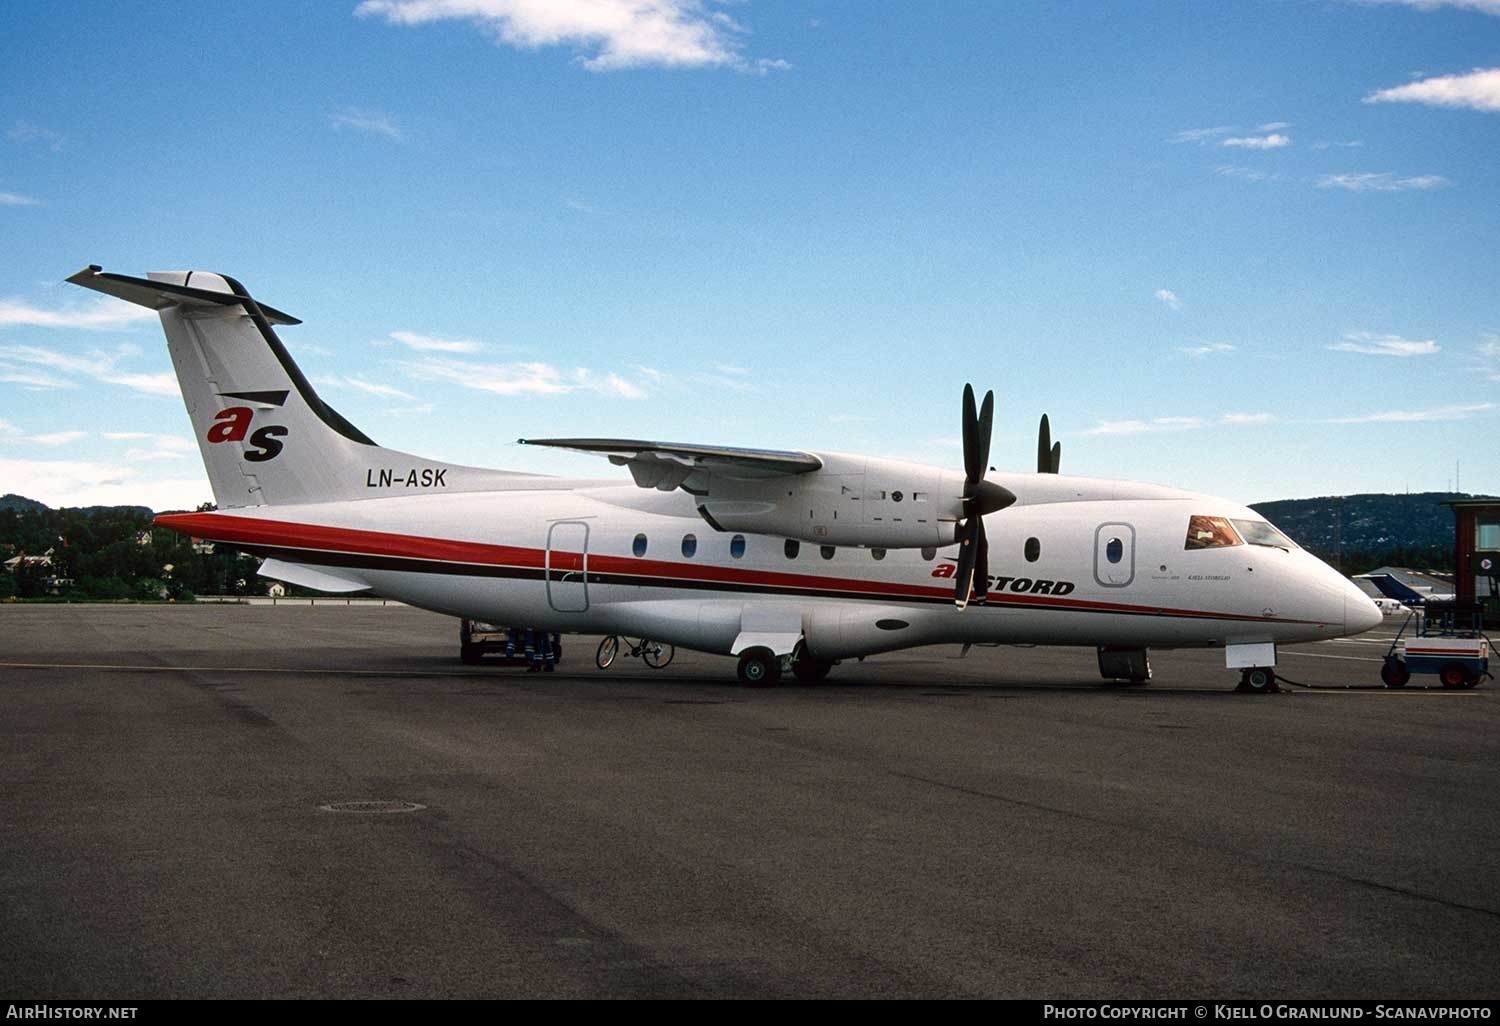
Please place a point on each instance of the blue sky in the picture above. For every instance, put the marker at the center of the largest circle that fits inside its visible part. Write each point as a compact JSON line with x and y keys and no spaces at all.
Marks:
{"x":1245,"y":248}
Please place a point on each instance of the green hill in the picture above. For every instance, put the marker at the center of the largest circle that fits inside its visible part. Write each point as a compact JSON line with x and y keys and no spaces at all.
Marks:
{"x":1360,"y":532}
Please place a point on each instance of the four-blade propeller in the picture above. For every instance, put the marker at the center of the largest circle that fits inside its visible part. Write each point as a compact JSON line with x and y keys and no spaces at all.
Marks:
{"x":979,"y":497}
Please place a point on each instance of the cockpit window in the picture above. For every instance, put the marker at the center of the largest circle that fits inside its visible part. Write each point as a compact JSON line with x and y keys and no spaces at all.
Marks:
{"x":1211,"y":533}
{"x":1258,"y":532}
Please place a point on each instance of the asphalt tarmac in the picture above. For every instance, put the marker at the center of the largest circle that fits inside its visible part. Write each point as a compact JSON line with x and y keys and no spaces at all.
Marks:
{"x":1002,"y":825}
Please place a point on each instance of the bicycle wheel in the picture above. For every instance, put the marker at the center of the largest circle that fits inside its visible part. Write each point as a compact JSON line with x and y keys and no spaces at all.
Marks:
{"x":657,"y":654}
{"x":607,"y":649}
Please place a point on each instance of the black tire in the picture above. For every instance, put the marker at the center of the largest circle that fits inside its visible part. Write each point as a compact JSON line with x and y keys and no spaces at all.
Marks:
{"x":1454,"y":675}
{"x":1258,"y":680}
{"x":657,"y":654}
{"x":470,"y":654}
{"x":1395,"y":674}
{"x":805,"y":668}
{"x":759,"y":668}
{"x":608,"y":649}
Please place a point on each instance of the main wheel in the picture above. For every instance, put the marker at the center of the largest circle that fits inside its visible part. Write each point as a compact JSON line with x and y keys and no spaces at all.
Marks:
{"x":1258,"y":680}
{"x":805,"y":668}
{"x":1395,"y":674}
{"x":657,"y":654}
{"x":607,"y":650}
{"x":1454,"y":675}
{"x":759,"y":668}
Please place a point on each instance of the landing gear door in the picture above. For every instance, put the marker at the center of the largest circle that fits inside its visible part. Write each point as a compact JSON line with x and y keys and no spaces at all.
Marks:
{"x":1114,"y":554}
{"x":568,"y":566}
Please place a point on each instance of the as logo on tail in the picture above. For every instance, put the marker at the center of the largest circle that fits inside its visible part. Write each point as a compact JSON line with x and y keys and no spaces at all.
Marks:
{"x":233,"y":425}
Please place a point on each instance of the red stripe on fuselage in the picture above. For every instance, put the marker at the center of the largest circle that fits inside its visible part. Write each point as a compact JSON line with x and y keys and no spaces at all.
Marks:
{"x":254,"y":531}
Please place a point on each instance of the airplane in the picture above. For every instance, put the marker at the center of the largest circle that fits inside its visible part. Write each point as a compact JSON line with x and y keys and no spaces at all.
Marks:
{"x":786,"y":560}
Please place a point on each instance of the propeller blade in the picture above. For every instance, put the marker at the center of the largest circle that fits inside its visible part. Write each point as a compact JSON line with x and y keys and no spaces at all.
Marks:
{"x":973,"y":468}
{"x":982,"y":566}
{"x":968,"y":550}
{"x":1056,"y":456}
{"x":1044,"y":447}
{"x":986,"y":424}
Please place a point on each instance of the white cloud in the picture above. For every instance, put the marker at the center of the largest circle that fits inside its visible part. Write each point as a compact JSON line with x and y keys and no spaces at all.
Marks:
{"x":1206,"y":349}
{"x":104,"y":314}
{"x":528,"y":378}
{"x":7,"y":428}
{"x":1249,"y":174}
{"x":1385,"y":181}
{"x":33,"y":381}
{"x":616,"y":33}
{"x":1489,"y":355}
{"x":15,"y":199}
{"x":57,"y":437}
{"x":1247,"y":418}
{"x":1170,"y":298}
{"x":1478,"y":90}
{"x":163,"y":384}
{"x":1482,"y":6}
{"x":371,"y":122}
{"x":1140,"y":427}
{"x":1199,"y":135}
{"x":1383,"y":345}
{"x":1273,"y":126}
{"x":27,"y":134}
{"x":87,"y":483}
{"x":103,"y":367}
{"x":1416,"y":416}
{"x":1274,"y":141}
{"x":367,"y":387}
{"x":432,"y":344}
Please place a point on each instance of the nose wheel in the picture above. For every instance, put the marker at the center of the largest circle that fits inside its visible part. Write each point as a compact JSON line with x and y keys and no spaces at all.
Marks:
{"x":1258,"y":680}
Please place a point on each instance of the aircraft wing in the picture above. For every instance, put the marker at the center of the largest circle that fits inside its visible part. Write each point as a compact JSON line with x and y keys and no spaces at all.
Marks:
{"x":668,"y":465}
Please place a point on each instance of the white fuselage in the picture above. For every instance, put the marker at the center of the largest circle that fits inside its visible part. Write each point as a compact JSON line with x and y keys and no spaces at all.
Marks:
{"x":1110,"y":568}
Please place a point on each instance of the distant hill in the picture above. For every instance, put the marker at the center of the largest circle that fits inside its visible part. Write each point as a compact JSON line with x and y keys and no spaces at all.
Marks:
{"x":12,"y":503}
{"x":1413,"y":530}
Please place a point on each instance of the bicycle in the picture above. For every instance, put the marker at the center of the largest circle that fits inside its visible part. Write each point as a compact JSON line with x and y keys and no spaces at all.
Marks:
{"x":655,"y":653}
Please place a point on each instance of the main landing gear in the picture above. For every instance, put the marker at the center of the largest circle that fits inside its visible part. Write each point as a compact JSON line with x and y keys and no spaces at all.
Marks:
{"x":762,"y":668}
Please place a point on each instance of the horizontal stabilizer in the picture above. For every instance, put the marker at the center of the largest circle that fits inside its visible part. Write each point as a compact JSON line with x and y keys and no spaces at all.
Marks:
{"x":318,"y":579}
{"x":210,"y":291}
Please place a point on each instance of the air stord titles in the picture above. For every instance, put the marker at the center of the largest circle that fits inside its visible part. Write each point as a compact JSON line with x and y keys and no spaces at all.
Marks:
{"x":1019,"y":585}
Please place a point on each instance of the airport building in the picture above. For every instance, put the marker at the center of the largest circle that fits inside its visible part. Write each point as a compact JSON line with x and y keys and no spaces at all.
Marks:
{"x":1476,"y":554}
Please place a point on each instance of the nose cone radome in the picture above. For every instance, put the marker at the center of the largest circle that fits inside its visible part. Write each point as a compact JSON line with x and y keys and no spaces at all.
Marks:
{"x":1360,"y":614}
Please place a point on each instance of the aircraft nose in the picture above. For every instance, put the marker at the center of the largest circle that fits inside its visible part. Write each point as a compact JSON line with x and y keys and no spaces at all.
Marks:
{"x":1360,"y":614}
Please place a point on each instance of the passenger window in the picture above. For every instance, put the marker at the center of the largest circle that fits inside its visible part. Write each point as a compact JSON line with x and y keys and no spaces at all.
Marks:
{"x":737,"y":546}
{"x":878,"y":553}
{"x":1033,"y":550}
{"x":929,"y":552}
{"x":826,"y":551}
{"x":793,"y":546}
{"x":639,"y":545}
{"x":689,"y":545}
{"x":1115,"y":550}
{"x":1211,"y":533}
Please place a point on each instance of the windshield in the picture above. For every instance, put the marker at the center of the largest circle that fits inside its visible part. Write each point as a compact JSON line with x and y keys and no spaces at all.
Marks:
{"x":1258,"y":532}
{"x":1211,"y":533}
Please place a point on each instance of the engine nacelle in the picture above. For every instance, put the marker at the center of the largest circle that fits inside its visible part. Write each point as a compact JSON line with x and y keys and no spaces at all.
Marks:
{"x":852,"y":500}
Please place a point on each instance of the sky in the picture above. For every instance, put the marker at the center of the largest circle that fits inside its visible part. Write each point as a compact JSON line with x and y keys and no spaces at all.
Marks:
{"x":1247,"y":248}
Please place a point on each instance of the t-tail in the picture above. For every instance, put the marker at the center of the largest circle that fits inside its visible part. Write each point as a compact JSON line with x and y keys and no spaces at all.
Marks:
{"x":266,"y":436}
